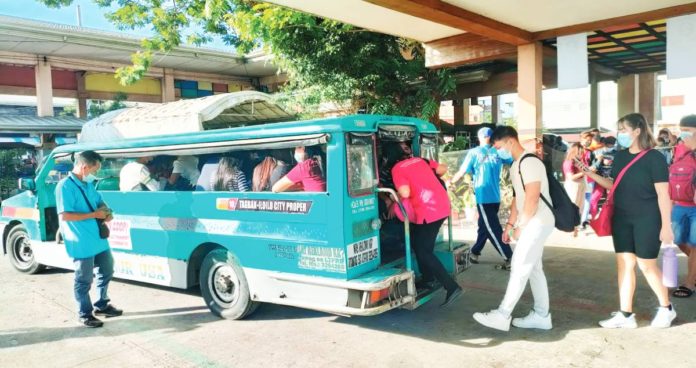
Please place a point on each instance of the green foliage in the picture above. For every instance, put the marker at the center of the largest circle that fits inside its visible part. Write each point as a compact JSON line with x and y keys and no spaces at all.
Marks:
{"x":460,"y":144}
{"x":327,"y":61}
{"x":99,"y":107}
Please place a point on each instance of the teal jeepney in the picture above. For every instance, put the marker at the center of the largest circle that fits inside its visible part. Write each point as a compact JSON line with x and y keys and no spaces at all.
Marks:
{"x":319,"y":250}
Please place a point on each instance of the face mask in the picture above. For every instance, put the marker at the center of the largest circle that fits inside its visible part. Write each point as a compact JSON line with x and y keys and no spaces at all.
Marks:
{"x":504,"y":153}
{"x":299,"y":157}
{"x":89,"y":178}
{"x":625,"y":140}
{"x":686,"y":135}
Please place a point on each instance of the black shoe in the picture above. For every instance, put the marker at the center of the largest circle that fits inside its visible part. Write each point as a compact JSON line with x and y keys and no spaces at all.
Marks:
{"x":425,"y":285}
{"x":91,"y":322}
{"x":109,"y":311}
{"x":452,"y":296}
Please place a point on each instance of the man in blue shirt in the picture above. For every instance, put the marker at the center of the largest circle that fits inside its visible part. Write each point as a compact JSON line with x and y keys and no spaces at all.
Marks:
{"x":80,"y":206}
{"x":484,"y":164}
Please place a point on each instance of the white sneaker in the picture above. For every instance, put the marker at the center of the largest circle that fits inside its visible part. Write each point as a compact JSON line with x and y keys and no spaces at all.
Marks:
{"x":663,"y":318}
{"x":618,"y":320}
{"x":493,"y":319}
{"x":533,"y":320}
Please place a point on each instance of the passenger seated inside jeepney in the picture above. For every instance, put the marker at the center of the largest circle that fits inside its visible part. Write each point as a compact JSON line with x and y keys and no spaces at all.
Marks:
{"x":229,"y":176}
{"x":392,"y":239}
{"x":184,"y":173}
{"x":136,"y":176}
{"x":309,"y":172}
{"x":272,"y":168}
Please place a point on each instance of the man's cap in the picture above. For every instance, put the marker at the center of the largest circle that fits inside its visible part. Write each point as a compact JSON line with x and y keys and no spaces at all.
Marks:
{"x":485,"y":132}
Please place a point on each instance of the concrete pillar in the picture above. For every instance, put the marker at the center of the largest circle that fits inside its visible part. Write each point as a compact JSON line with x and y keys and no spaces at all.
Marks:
{"x":647,"y":92}
{"x":627,"y":91}
{"x":495,"y":109}
{"x":594,"y":103}
{"x":168,"y":94}
{"x":81,"y":95}
{"x":458,"y":111}
{"x":529,"y":86}
{"x":466,"y":109}
{"x":44,"y":87}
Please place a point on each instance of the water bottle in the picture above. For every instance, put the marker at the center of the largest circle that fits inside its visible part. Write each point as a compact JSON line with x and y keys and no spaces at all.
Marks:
{"x":670,"y":267}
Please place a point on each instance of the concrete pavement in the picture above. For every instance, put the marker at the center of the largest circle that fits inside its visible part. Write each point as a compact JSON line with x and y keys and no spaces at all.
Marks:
{"x":169,"y":328}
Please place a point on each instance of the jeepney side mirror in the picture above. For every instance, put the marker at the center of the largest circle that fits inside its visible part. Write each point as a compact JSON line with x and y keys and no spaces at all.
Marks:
{"x":27,"y":184}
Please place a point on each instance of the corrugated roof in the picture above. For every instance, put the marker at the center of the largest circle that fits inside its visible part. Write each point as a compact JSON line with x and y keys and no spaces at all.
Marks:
{"x":35,"y":124}
{"x":185,"y":116}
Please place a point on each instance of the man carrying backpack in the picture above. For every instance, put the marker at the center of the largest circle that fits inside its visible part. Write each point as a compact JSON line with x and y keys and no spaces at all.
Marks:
{"x":681,"y":191}
{"x":531,"y":222}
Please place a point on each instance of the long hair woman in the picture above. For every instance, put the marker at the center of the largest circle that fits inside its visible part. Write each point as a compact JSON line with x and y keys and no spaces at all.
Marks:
{"x":642,"y":219}
{"x":416,"y":181}
{"x":229,"y":176}
{"x":575,"y":183}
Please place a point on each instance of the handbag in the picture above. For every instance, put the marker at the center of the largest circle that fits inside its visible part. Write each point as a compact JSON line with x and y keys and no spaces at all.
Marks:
{"x":104,"y":231}
{"x":601,"y":224}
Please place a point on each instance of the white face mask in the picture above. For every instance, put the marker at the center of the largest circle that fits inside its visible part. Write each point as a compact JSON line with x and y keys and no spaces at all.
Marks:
{"x":89,"y":178}
{"x":299,"y":157}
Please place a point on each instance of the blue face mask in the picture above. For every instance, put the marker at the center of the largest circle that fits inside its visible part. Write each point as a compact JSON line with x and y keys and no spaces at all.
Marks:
{"x":686,"y":135}
{"x":624,"y":140}
{"x":504,"y":153}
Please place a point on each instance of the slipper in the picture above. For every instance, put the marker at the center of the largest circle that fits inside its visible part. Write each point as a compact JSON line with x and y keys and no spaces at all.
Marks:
{"x":682,"y":292}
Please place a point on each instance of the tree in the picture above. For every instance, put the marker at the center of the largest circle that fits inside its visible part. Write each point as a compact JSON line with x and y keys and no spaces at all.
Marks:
{"x":327,"y":61}
{"x":99,"y":107}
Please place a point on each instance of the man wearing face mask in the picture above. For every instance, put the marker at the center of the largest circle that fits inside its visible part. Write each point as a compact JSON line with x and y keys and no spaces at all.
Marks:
{"x":681,"y":184}
{"x":484,"y":164}
{"x":76,"y":197}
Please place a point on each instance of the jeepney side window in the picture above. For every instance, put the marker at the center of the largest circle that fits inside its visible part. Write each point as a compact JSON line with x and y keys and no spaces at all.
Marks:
{"x":62,"y":166}
{"x":428,"y":146}
{"x":362,"y":174}
{"x":108,"y":176}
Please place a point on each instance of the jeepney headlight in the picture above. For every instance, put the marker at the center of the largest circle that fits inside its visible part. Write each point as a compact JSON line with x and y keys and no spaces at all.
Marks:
{"x":376,"y":224}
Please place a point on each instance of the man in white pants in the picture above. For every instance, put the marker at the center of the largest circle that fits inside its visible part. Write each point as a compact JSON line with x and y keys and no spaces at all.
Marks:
{"x":531,"y":222}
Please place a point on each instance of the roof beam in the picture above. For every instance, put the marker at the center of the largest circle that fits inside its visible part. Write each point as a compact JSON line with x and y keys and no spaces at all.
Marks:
{"x":618,"y":21}
{"x":447,"y":14}
{"x":463,"y":49}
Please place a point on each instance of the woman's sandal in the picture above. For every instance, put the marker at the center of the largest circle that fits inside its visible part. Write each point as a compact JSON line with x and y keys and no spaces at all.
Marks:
{"x":682,"y":292}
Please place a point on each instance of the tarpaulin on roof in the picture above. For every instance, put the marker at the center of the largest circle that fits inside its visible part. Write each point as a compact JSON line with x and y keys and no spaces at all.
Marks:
{"x":185,"y":116}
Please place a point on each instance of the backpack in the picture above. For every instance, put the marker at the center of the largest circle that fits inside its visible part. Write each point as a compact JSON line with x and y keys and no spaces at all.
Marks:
{"x":681,"y":175}
{"x":565,"y":212}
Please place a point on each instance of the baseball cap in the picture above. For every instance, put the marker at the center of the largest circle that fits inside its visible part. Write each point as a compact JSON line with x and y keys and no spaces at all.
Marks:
{"x":485,"y":132}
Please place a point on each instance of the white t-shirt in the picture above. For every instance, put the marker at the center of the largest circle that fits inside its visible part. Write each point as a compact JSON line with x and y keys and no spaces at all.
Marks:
{"x":533,"y":170}
{"x":187,"y":167}
{"x":134,"y":174}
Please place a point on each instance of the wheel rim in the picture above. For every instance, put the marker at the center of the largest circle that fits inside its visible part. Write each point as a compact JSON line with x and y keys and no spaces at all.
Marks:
{"x":224,"y":284}
{"x":22,"y":252}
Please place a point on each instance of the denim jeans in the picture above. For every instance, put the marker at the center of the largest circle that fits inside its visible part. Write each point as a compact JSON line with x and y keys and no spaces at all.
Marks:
{"x":84,"y":273}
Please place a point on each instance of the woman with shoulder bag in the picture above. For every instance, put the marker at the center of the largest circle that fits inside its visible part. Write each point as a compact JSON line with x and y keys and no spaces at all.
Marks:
{"x":642,"y":218}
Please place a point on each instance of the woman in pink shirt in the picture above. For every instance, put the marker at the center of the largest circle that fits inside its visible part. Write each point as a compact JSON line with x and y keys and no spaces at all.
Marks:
{"x":416,"y":181}
{"x":308,"y":173}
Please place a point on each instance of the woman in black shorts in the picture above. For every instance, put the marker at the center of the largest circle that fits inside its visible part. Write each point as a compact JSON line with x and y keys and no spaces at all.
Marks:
{"x":642,"y":220}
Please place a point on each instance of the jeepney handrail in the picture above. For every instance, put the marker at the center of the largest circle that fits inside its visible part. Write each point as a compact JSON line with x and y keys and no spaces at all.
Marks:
{"x":407,"y":236}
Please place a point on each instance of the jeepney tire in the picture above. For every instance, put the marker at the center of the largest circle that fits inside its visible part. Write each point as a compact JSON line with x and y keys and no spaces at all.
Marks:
{"x":20,"y":251}
{"x":224,"y":286}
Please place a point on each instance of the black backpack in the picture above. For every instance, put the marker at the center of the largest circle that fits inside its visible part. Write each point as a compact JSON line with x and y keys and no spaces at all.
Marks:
{"x":565,"y":212}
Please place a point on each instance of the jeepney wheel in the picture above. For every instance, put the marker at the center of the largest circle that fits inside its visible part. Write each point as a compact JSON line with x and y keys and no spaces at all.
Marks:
{"x":224,"y":286}
{"x":21,"y":252}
